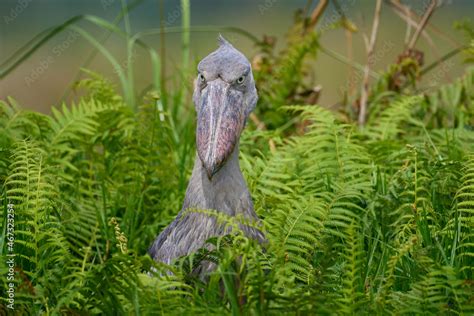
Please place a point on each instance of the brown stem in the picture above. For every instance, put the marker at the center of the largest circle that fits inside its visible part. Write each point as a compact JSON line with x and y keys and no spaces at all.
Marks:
{"x":422,"y":24}
{"x":261,"y":126}
{"x":403,"y":8}
{"x":405,"y":14}
{"x":316,"y":14}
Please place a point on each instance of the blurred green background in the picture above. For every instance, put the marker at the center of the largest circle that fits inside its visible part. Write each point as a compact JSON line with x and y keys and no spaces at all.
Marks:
{"x":46,"y":77}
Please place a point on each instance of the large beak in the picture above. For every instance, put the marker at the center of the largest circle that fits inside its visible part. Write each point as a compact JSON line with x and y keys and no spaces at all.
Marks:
{"x":219,"y":124}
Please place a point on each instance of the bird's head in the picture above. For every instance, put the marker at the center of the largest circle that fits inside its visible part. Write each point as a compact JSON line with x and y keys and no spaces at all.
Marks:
{"x":224,"y":96}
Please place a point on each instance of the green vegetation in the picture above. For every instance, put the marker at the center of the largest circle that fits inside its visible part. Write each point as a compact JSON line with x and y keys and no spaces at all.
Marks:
{"x":373,"y":219}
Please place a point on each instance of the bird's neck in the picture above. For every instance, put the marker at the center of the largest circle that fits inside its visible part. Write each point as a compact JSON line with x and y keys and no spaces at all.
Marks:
{"x":223,"y":192}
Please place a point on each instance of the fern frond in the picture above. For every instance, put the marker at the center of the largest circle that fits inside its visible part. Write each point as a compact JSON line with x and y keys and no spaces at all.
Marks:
{"x":353,"y":288}
{"x":39,"y":243}
{"x":461,"y":223}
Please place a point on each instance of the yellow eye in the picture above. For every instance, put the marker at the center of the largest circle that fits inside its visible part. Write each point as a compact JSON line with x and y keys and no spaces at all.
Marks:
{"x":240,"y":80}
{"x":201,"y":77}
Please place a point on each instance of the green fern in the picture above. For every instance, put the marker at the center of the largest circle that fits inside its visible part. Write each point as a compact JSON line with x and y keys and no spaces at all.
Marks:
{"x":373,"y":220}
{"x":461,"y":223}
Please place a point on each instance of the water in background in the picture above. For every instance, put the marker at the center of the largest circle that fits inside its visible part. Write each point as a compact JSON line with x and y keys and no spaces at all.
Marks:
{"x":48,"y":74}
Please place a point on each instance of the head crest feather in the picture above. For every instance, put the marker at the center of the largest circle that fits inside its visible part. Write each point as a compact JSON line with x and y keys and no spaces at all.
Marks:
{"x":222,"y":41}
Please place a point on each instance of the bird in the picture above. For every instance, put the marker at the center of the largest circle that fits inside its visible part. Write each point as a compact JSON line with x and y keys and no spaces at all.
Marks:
{"x":224,"y":96}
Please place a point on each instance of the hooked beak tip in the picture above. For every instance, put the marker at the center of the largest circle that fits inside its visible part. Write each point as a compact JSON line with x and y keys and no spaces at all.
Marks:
{"x":210,"y":174}
{"x":211,"y":169}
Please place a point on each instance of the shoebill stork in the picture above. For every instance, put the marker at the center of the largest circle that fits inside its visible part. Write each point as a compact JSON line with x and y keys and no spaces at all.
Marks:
{"x":224,"y":95}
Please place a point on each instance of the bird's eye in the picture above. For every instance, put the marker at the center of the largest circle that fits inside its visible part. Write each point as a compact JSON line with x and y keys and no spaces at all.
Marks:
{"x":202,"y":78}
{"x":240,"y":80}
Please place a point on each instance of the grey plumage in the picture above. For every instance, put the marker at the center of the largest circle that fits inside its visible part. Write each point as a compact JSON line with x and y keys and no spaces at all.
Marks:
{"x":224,"y":96}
